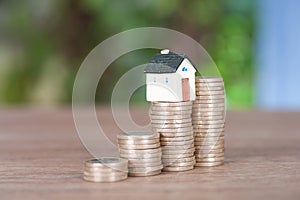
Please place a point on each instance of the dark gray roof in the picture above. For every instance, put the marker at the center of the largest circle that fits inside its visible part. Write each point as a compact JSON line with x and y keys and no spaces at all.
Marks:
{"x":164,"y":63}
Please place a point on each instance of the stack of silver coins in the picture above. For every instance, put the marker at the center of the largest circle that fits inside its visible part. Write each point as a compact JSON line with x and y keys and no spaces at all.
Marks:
{"x":172,"y":120}
{"x":106,"y":169}
{"x":209,"y":121}
{"x":142,"y":151}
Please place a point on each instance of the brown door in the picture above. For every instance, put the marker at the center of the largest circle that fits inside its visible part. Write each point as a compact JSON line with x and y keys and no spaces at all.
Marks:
{"x":185,"y":89}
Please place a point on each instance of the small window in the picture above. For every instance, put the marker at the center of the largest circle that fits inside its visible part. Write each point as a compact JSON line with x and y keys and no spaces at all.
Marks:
{"x":184,"y":69}
{"x":167,"y":80}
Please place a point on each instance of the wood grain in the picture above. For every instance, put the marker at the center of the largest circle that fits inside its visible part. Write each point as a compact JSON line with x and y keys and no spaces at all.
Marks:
{"x":41,"y":157}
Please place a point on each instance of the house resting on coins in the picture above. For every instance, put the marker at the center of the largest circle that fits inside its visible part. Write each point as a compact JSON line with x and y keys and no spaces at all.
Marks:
{"x":170,"y":77}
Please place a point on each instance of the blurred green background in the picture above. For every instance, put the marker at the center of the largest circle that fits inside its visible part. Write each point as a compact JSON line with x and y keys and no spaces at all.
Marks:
{"x":42,"y":43}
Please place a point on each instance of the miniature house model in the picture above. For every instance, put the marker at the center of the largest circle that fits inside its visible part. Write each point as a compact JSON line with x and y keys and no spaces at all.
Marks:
{"x":170,"y":77}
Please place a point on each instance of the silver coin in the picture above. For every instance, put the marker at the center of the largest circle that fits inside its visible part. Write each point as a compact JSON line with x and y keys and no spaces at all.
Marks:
{"x":184,"y":112}
{"x":174,"y":148}
{"x":106,"y":162}
{"x":210,"y":109}
{"x":208,"y":135}
{"x":178,"y":169}
{"x":210,"y":92}
{"x":176,"y":139}
{"x":106,"y":179}
{"x":212,"y":132}
{"x":171,"y":109}
{"x":138,"y":136}
{"x":178,"y":160}
{"x":221,"y":137}
{"x":142,"y":164}
{"x":177,"y":156}
{"x":139,"y":151}
{"x":209,"y":147}
{"x":212,"y":139}
{"x":208,"y":143}
{"x":178,"y":151}
{"x":152,"y":173}
{"x":208,"y":105}
{"x":209,"y":130}
{"x":144,"y":169}
{"x":103,"y":174}
{"x":171,"y":121}
{"x":209,"y":151}
{"x":208,"y":126}
{"x":167,"y":126}
{"x":209,"y":155}
{"x":106,"y":170}
{"x":208,"y":79}
{"x":133,"y":161}
{"x":141,"y":156}
{"x":208,"y":101}
{"x":215,"y":159}
{"x":209,"y":97}
{"x":178,"y":143}
{"x":196,"y":122}
{"x":204,"y":152}
{"x":208,"y":88}
{"x":212,"y":84}
{"x":175,"y":134}
{"x":208,"y":164}
{"x":139,"y":146}
{"x":199,"y":120}
{"x":169,"y":104}
{"x":173,"y":130}
{"x":180,"y":164}
{"x":208,"y":114}
{"x":205,"y":135}
{"x":169,"y":117}
{"x":207,"y":118}
{"x":138,"y":142}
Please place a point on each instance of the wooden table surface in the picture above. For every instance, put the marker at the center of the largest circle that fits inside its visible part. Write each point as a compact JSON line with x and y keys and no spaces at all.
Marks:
{"x":41,"y":157}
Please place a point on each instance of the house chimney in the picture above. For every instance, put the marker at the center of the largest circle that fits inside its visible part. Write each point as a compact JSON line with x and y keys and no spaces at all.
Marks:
{"x":165,"y":51}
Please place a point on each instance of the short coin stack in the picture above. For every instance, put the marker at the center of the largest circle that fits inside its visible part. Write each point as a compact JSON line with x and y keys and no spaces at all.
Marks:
{"x":106,"y":169}
{"x":172,"y":120}
{"x":208,"y":121}
{"x":142,"y":151}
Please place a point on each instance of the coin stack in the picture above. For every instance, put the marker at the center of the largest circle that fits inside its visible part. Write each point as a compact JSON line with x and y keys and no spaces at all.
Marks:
{"x":142,"y":151}
{"x":208,"y":121}
{"x":172,"y":120}
{"x":106,"y":169}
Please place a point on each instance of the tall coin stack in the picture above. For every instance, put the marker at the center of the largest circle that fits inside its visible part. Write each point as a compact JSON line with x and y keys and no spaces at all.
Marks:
{"x":208,"y":121}
{"x":174,"y":123}
{"x":106,"y":169}
{"x":142,"y":151}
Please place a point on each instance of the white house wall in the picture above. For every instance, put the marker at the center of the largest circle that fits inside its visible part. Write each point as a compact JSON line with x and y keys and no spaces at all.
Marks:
{"x":189,"y":67}
{"x":190,"y":73}
{"x":164,"y":87}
